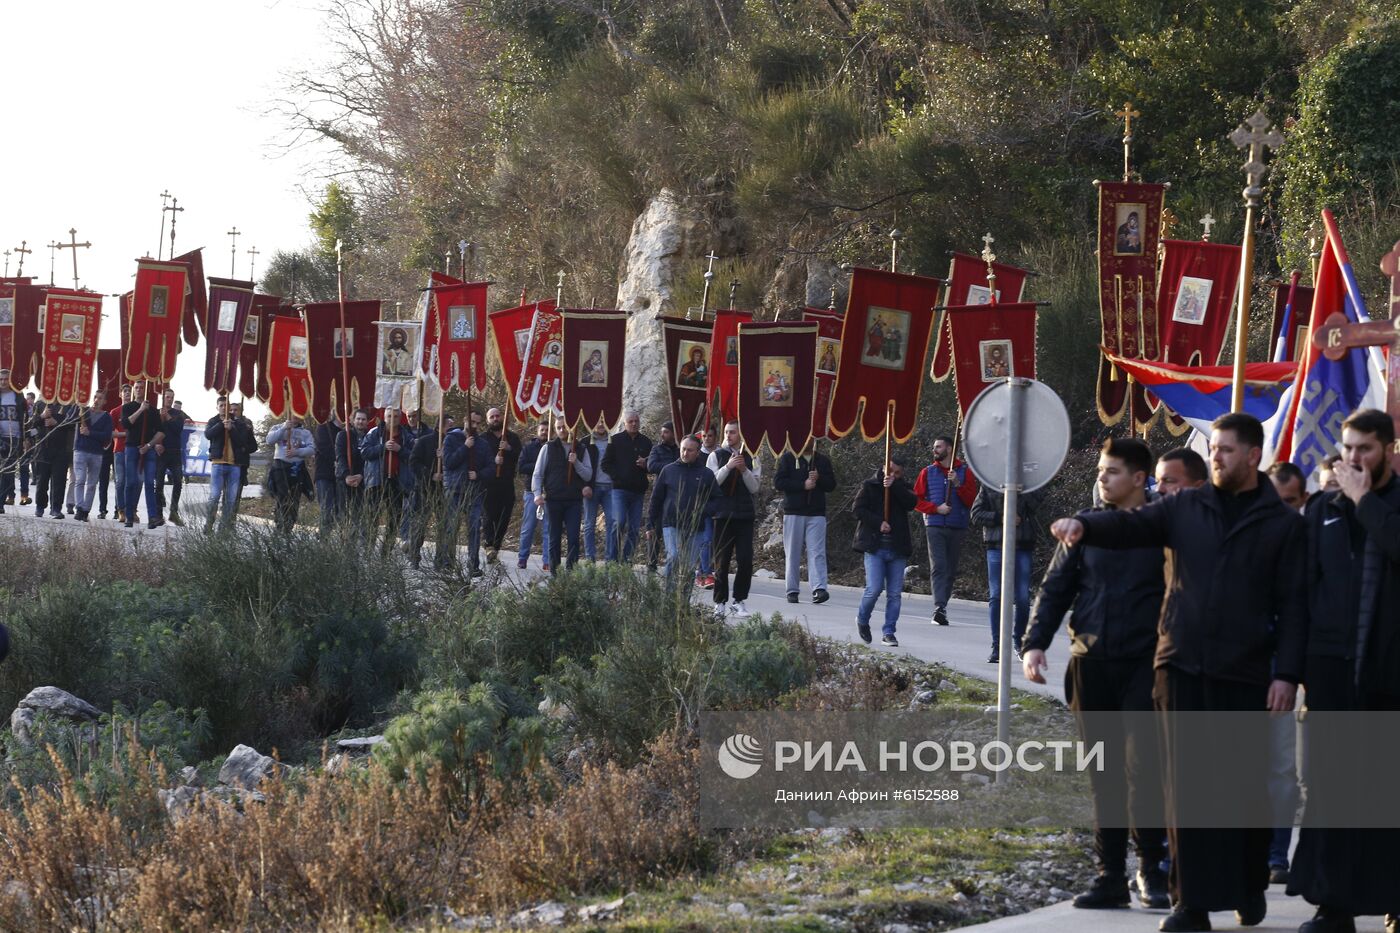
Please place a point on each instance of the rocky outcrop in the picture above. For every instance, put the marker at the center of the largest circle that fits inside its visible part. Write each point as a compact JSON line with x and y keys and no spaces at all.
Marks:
{"x":52,"y":701}
{"x":246,"y":767}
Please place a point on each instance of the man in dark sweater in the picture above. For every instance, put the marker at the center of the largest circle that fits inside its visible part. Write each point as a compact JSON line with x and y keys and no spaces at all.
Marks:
{"x":987,"y":511}
{"x":93,"y":435}
{"x":1116,"y":597}
{"x":625,"y":461}
{"x":529,"y":511}
{"x":14,"y":422}
{"x":350,"y":465}
{"x":229,"y":437}
{"x":562,"y":470}
{"x":883,"y":537}
{"x":662,"y":454}
{"x":732,"y":508}
{"x":329,"y":495}
{"x":499,"y":487}
{"x":804,"y":480}
{"x":678,"y":500}
{"x":170,"y":464}
{"x":53,"y":454}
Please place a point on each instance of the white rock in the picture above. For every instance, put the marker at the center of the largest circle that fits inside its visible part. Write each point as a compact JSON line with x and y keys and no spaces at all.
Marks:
{"x":601,"y":910}
{"x":905,"y":886}
{"x":180,"y":802}
{"x":765,"y":573}
{"x":896,"y":928}
{"x":553,"y":709}
{"x":60,"y":703}
{"x":362,"y":745}
{"x":246,"y":767}
{"x":21,"y":722}
{"x":1059,"y":894}
{"x":737,"y":909}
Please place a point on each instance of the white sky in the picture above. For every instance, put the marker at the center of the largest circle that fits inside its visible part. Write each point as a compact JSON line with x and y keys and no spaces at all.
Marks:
{"x":111,"y":103}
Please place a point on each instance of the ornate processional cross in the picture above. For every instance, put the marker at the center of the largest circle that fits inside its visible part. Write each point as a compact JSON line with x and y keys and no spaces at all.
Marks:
{"x":1207,"y":222}
{"x":22,"y":252}
{"x":74,"y":245}
{"x":1127,"y":115}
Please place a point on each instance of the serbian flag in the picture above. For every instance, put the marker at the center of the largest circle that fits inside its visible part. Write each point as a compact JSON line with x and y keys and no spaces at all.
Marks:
{"x":252,"y":355}
{"x":72,"y":319}
{"x":990,"y":343}
{"x":1130,"y":222}
{"x":1200,"y":394}
{"x":455,"y":335}
{"x":341,"y":351}
{"x":232,"y":300}
{"x":538,"y":391}
{"x":288,"y":369}
{"x":1326,"y":391}
{"x":829,"y":322}
{"x":777,"y":384}
{"x":153,"y":325}
{"x":687,"y":370}
{"x":724,"y":363}
{"x":510,"y":330}
{"x":20,"y":342}
{"x":1288,"y":334}
{"x":109,"y":377}
{"x":196,"y":314}
{"x":884,"y":342}
{"x":967,"y":285}
{"x":595,"y":340}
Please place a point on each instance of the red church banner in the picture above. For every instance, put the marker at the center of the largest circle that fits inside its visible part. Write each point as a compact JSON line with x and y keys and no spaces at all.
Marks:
{"x":456,"y":331}
{"x":288,"y":369}
{"x":722,"y":390}
{"x":338,"y":353}
{"x":109,"y":377}
{"x":1198,"y":283}
{"x":687,"y":370}
{"x":21,"y":344}
{"x":154,"y":324}
{"x":595,"y":340}
{"x":72,"y":319}
{"x":991,"y":343}
{"x":777,"y":384}
{"x":1295,"y":341}
{"x":544,"y":358}
{"x":195,"y":318}
{"x":1130,"y":220}
{"x":231,"y":301}
{"x":828,"y":321}
{"x":884,"y":345}
{"x":510,"y":331}
{"x":252,"y":354}
{"x":967,"y":285}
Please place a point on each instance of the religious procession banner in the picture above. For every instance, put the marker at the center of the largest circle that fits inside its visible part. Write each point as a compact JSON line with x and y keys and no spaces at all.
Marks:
{"x":231,"y":301}
{"x":396,"y":363}
{"x":687,"y":370}
{"x":252,"y":355}
{"x":288,"y":367}
{"x":153,"y":326}
{"x":538,"y":391}
{"x":1288,"y":334}
{"x":341,"y":349}
{"x":722,"y":390}
{"x":1130,"y":222}
{"x":510,"y":331}
{"x":454,"y":341}
{"x":595,"y":340}
{"x":884,"y":343}
{"x":72,"y":319}
{"x":967,"y":285}
{"x":991,"y":343}
{"x":195,"y":318}
{"x":109,"y":377}
{"x":1197,"y":291}
{"x":777,"y":384}
{"x":20,"y":341}
{"x":829,"y":322}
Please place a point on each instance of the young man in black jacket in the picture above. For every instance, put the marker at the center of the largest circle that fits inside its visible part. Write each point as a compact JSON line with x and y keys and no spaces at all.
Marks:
{"x":1231,"y":637}
{"x":663,"y":453}
{"x":678,"y":502}
{"x":53,"y":455}
{"x":350,"y":465}
{"x":228,"y":437}
{"x":625,"y":461}
{"x":804,"y":480}
{"x":1116,"y":597}
{"x":529,"y":511}
{"x":987,"y":511}
{"x":499,"y":500}
{"x":329,"y":493}
{"x":563,"y":469}
{"x":883,"y":537}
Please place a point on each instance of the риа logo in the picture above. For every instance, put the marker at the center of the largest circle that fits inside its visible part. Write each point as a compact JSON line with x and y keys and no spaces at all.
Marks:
{"x":740,"y":756}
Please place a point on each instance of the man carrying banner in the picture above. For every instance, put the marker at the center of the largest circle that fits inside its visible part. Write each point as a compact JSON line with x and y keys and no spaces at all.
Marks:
{"x":946,"y":491}
{"x":804,"y":480}
{"x":350,"y":466}
{"x":53,"y":455}
{"x":119,"y":456}
{"x":731,"y":507}
{"x":882,"y":535}
{"x":384,"y":451}
{"x":228,"y":437}
{"x":663,"y":453}
{"x":171,"y":464}
{"x":625,"y":460}
{"x":529,"y":511}
{"x":289,"y":475}
{"x":330,"y":434}
{"x":144,"y":434}
{"x":499,"y":501}
{"x":562,"y":470}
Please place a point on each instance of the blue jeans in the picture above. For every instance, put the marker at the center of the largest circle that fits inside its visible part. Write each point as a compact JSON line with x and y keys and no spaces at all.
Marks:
{"x":682,"y":550}
{"x":528,"y":521}
{"x":1023,"y":594}
{"x":330,"y":496}
{"x":475,"y":505}
{"x":591,"y":508}
{"x":884,"y":570}
{"x":625,"y":509}
{"x":707,"y":538}
{"x":224,"y":489}
{"x":141,"y":470}
{"x":563,"y":520}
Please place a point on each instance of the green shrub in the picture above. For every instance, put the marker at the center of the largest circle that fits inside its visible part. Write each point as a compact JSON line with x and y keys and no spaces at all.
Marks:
{"x":758,"y":663}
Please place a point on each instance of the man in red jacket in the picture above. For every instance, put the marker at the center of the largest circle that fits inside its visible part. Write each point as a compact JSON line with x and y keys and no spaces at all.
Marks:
{"x":945,"y":489}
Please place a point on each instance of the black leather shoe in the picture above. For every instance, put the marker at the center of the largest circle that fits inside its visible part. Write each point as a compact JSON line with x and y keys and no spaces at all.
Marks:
{"x":1252,"y":913}
{"x":940,"y":616}
{"x":1183,"y":920}
{"x":1278,"y":874}
{"x":1106,"y":891}
{"x":1152,"y":889}
{"x":820,"y":596}
{"x":1329,"y":921}
{"x":864,"y":632}
{"x":792,"y":597}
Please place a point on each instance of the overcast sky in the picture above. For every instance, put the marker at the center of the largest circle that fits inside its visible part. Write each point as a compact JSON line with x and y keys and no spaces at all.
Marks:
{"x":111,"y":104}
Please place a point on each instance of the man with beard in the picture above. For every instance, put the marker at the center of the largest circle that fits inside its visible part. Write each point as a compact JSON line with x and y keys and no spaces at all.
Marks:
{"x":663,"y":453}
{"x":329,"y":495}
{"x":1353,"y":659}
{"x":350,"y":465}
{"x":385,"y":451}
{"x":171,"y":464}
{"x":732,"y":508}
{"x":562,"y":471}
{"x":530,"y":512}
{"x":1233,"y":613}
{"x":504,"y":449}
{"x":228,"y":437}
{"x":946,"y":490}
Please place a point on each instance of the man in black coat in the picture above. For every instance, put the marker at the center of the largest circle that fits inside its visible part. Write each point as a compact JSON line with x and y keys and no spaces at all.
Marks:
{"x":55,"y":425}
{"x":329,"y":494}
{"x":732,"y":508}
{"x":804,"y":480}
{"x":625,"y":461}
{"x":663,"y":453}
{"x":350,"y":465}
{"x":1353,"y":663}
{"x":499,"y":500}
{"x":1116,"y":598}
{"x":883,"y":537}
{"x":987,"y":511}
{"x":1231,"y":638}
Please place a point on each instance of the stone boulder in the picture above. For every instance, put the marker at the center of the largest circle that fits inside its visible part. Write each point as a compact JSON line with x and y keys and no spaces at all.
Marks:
{"x":246,"y":767}
{"x":60,"y":703}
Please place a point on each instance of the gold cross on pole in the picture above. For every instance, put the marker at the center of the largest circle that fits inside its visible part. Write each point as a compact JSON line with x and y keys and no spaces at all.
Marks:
{"x":990,"y":257}
{"x":1207,"y":222}
{"x":1127,"y":115}
{"x":174,"y":210}
{"x":1256,"y":136}
{"x":559,"y":290}
{"x":233,"y":252}
{"x":74,"y":245}
{"x":22,"y":251}
{"x":252,"y":261}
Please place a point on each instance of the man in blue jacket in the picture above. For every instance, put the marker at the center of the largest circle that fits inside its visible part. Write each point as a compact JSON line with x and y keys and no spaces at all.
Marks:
{"x":946,"y":490}
{"x":94,"y":434}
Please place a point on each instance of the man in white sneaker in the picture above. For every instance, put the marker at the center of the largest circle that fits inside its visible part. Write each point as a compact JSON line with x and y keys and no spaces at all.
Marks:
{"x":732,"y":508}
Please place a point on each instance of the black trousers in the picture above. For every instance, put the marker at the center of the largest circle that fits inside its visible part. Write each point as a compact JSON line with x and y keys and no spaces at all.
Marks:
{"x":1212,"y":868}
{"x":11,"y":449}
{"x":497,"y":509}
{"x":104,"y":476}
{"x":733,"y":539}
{"x":50,"y":483}
{"x":565,"y":521}
{"x":1128,"y":791}
{"x":175,"y":470}
{"x":388,"y":504}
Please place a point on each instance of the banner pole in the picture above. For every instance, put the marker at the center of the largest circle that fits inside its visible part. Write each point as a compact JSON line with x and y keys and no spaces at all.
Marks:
{"x":1255,"y":135}
{"x":344,"y":362}
{"x":889,"y":439}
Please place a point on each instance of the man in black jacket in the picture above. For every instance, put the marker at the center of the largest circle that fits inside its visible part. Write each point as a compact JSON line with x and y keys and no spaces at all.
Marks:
{"x":563,"y":470}
{"x":14,"y":422}
{"x":53,"y":455}
{"x":350,"y":465}
{"x":499,"y":499}
{"x":171,"y":462}
{"x":625,"y":461}
{"x":329,"y":495}
{"x":987,"y":511}
{"x":804,"y":480}
{"x":228,"y":438}
{"x":883,"y":537}
{"x":678,"y":502}
{"x":1234,"y":612}
{"x":663,"y":453}
{"x":1116,"y":597}
{"x":732,"y":508}
{"x":529,"y":511}
{"x":1352,"y":663}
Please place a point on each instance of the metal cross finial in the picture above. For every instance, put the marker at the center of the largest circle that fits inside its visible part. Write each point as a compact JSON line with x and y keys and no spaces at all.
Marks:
{"x":559,"y":289}
{"x":74,"y":245}
{"x":1256,"y":136}
{"x":233,"y":252}
{"x":895,"y":237}
{"x":1207,"y":221}
{"x":160,"y":241}
{"x":174,"y":209}
{"x":1127,"y":115}
{"x":709,"y":278}
{"x":53,"y":251}
{"x":831,"y":304}
{"x":252,"y":261}
{"x":988,"y":256}
{"x":463,"y":247}
{"x":7,"y":263}
{"x":22,"y":251}
{"x":733,"y":290}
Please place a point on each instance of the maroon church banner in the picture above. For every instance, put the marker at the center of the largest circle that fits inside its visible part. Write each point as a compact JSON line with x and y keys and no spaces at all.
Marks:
{"x":687,"y":370}
{"x":231,"y":300}
{"x":196,"y":312}
{"x":456,"y":333}
{"x":829,"y":322}
{"x":72,"y":319}
{"x":340,"y":351}
{"x":594,"y":343}
{"x":1130,"y":221}
{"x":967,"y":285}
{"x":777,"y":384}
